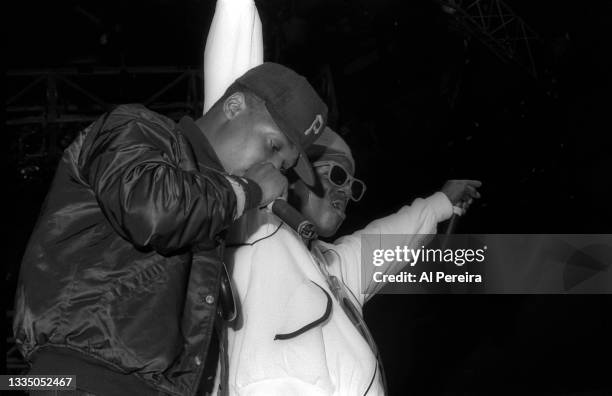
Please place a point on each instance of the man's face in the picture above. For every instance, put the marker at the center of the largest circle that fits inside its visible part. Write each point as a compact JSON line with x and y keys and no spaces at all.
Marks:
{"x":252,"y":137}
{"x":326,"y":212}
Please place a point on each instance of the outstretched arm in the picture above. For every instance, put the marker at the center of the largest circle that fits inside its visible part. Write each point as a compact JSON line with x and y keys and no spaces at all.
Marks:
{"x":233,"y":46}
{"x":412,"y":222}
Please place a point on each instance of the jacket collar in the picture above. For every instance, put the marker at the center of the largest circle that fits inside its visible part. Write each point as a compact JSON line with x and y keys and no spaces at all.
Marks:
{"x":204,"y":152}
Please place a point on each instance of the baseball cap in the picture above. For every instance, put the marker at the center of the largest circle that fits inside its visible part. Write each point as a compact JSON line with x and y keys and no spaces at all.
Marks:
{"x":330,"y":146}
{"x":293,"y":104}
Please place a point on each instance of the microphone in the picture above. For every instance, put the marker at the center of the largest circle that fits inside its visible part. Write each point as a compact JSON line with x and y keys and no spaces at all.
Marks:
{"x":294,"y":219}
{"x":450,"y":229}
{"x":452,"y":224}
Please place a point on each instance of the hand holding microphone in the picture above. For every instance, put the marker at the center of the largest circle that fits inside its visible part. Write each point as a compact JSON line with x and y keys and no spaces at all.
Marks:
{"x":274,"y":186}
{"x":461,"y":194}
{"x":272,"y":182}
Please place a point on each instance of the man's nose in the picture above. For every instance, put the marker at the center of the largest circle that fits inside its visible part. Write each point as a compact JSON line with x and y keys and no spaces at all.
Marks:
{"x":277,"y":162}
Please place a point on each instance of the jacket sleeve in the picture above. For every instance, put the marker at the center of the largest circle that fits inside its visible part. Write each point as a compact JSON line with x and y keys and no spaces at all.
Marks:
{"x":233,"y":46}
{"x":412,"y":222}
{"x":133,"y":170}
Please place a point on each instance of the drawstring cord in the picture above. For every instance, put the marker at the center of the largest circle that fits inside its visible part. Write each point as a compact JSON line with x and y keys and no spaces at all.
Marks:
{"x":287,"y":336}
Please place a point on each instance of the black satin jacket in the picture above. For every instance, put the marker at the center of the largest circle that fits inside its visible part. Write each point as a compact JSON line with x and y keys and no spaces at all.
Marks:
{"x":125,"y":260}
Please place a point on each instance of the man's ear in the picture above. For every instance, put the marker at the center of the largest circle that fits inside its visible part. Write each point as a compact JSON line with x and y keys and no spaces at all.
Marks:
{"x":234,"y":105}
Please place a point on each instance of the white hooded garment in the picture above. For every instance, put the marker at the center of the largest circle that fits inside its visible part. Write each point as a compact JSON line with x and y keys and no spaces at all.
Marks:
{"x":280,"y":290}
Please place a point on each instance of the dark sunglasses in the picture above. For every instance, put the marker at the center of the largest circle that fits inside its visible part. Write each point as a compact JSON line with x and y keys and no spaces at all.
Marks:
{"x":339,"y":177}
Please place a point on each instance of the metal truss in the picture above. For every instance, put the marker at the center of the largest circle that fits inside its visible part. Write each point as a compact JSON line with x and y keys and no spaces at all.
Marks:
{"x":498,"y":27}
{"x":46,"y":108}
{"x":61,"y":96}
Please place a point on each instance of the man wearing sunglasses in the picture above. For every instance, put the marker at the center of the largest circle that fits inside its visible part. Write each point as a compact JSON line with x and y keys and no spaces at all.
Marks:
{"x":325,"y":205}
{"x":301,"y":330}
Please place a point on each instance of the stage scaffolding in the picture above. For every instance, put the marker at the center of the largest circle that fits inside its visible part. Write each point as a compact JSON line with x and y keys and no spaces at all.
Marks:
{"x":498,"y":27}
{"x":48,"y":104}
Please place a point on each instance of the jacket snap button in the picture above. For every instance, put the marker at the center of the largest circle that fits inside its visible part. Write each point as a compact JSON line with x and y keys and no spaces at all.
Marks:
{"x":197,"y":360}
{"x":210,"y":299}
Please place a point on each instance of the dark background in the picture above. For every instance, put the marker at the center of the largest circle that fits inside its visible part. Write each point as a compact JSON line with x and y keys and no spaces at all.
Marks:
{"x":420,"y":101}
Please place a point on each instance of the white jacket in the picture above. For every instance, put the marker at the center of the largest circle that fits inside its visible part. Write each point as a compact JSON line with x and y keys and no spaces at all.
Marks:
{"x":279,"y":286}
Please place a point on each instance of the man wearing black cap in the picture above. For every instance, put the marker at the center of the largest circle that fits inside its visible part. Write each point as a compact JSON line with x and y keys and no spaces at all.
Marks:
{"x":120,"y":281}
